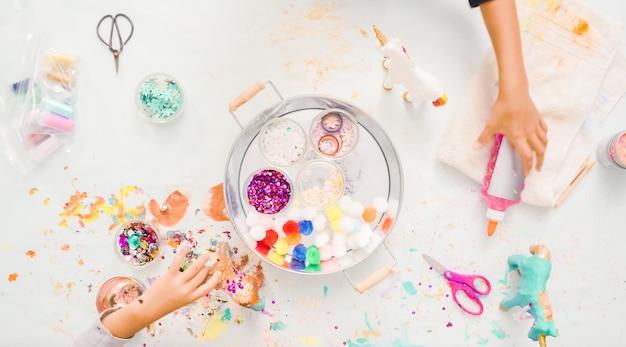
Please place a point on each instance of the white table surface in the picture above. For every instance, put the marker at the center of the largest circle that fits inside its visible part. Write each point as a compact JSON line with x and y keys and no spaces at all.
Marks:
{"x":216,"y":50}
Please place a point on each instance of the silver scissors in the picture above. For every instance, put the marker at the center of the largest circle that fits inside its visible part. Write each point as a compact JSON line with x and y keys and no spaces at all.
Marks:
{"x":116,"y":49}
{"x":471,"y":285}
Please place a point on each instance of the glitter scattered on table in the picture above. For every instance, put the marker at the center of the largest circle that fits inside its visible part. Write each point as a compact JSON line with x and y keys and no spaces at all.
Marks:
{"x":138,"y":243}
{"x":269,"y":191}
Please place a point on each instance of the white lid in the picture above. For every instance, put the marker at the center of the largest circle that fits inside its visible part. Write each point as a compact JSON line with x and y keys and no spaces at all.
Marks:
{"x":495,"y":215}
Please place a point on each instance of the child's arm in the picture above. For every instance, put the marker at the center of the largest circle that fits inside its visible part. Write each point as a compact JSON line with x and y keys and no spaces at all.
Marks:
{"x":168,"y":293}
{"x":513,"y":114}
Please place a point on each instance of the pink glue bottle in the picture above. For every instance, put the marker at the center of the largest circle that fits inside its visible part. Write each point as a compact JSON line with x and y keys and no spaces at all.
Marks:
{"x":504,"y":181}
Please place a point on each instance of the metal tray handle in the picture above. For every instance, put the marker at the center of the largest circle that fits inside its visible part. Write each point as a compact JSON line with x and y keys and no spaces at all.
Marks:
{"x":248,"y":94}
{"x":375,"y":277}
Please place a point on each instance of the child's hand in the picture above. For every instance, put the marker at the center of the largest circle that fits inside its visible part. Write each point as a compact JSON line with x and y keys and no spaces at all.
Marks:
{"x":515,"y":116}
{"x":177,"y":288}
{"x":168,"y":293}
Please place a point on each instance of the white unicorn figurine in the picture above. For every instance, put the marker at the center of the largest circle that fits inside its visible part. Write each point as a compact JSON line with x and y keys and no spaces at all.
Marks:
{"x":421,"y":86}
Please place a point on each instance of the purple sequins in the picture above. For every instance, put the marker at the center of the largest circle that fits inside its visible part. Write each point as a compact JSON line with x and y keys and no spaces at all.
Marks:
{"x":269,"y":191}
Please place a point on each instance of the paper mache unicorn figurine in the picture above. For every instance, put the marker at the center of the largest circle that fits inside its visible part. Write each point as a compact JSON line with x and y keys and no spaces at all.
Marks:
{"x":421,"y":86}
{"x":534,"y":272}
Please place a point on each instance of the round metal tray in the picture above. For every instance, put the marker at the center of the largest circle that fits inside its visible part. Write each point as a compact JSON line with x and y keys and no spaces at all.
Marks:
{"x":371,"y":173}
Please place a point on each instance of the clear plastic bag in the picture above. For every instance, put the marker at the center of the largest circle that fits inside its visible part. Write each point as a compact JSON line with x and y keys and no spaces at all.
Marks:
{"x":38,"y":95}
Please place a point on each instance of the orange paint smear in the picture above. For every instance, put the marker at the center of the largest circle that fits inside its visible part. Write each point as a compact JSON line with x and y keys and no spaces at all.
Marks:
{"x":30,"y":253}
{"x":32,"y":191}
{"x":177,"y":205}
{"x":581,"y":26}
{"x":13,"y":277}
{"x":215,"y":207}
{"x":386,"y":226}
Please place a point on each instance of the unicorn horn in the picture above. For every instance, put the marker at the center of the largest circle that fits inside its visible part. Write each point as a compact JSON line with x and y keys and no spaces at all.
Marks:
{"x":542,"y":340}
{"x":380,"y":36}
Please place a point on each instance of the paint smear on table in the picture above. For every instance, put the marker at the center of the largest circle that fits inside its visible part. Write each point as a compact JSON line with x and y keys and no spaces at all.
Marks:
{"x":171,"y":211}
{"x":78,"y":207}
{"x":214,"y":327}
{"x":409,"y":288}
{"x":13,"y":277}
{"x":30,"y":253}
{"x":360,"y":342}
{"x":309,"y":340}
{"x":32,"y":191}
{"x":331,"y":36}
{"x":215,"y":206}
{"x":497,"y":331}
{"x":277,"y":326}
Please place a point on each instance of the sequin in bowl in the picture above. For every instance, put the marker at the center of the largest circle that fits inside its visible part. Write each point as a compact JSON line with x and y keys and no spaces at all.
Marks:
{"x":320,"y":184}
{"x":159,"y":98}
{"x":334,"y":133}
{"x":137,"y":243}
{"x":118,"y":291}
{"x":268,"y":191}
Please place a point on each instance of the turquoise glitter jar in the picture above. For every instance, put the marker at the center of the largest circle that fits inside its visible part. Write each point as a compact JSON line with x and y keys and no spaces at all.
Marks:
{"x":159,"y":98}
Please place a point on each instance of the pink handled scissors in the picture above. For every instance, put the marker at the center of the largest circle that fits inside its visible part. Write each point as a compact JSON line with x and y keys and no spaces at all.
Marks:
{"x":471,"y":285}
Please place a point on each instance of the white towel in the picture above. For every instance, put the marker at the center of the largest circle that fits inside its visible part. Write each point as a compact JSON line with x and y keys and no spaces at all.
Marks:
{"x":576,"y":76}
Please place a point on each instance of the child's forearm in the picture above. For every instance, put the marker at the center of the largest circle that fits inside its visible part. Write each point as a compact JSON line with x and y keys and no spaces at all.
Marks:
{"x":130,"y":319}
{"x":500,"y":17}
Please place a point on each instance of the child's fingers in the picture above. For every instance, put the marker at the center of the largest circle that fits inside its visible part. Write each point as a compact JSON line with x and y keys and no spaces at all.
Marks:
{"x":196,"y":266}
{"x":178,"y":259}
{"x":209,"y":285}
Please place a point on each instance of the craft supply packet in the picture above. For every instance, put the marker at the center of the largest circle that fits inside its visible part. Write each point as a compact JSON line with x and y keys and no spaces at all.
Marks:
{"x":38,"y":94}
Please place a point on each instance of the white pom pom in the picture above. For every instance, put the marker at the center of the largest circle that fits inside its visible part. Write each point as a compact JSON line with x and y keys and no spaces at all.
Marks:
{"x":252,"y":219}
{"x":257,"y":232}
{"x":321,"y":239}
{"x":380,"y":205}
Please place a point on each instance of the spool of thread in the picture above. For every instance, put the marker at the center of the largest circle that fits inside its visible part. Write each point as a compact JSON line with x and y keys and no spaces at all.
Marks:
{"x":45,"y":148}
{"x":59,"y":107}
{"x":54,"y":121}
{"x":611,"y":151}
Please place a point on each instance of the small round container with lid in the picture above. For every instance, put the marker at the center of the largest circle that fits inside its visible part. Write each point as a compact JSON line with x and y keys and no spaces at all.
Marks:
{"x":320,"y":184}
{"x":611,"y":151}
{"x":118,"y":291}
{"x":137,"y":243}
{"x":159,"y":98}
{"x":282,"y":142}
{"x":334,"y":133}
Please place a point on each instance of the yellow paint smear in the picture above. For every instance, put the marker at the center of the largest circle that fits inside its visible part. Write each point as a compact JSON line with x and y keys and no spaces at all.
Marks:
{"x":213,"y":329}
{"x":309,"y":340}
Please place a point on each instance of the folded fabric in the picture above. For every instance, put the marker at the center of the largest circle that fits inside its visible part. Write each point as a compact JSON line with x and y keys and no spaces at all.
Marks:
{"x":576,"y":76}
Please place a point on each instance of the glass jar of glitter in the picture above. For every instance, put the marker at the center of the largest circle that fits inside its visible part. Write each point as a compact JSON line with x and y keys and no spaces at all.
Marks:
{"x":611,"y":151}
{"x":320,"y":184}
{"x":268,"y":191}
{"x":282,"y":141}
{"x":137,"y":243}
{"x":159,"y":98}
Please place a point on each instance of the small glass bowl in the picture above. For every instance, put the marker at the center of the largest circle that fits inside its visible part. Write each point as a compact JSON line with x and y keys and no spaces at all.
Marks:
{"x":268,"y":191}
{"x":282,"y":141}
{"x":334,"y":133}
{"x":118,"y":291}
{"x":159,"y":98}
{"x":137,"y":243}
{"x":320,"y":184}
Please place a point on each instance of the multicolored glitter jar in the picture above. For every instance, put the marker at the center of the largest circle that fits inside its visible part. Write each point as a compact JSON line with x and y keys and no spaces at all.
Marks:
{"x":282,"y":141}
{"x":159,"y":98}
{"x":137,"y":243}
{"x":118,"y":291}
{"x":334,"y":133}
{"x":611,"y":151}
{"x":320,"y":184}
{"x":268,"y":191}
